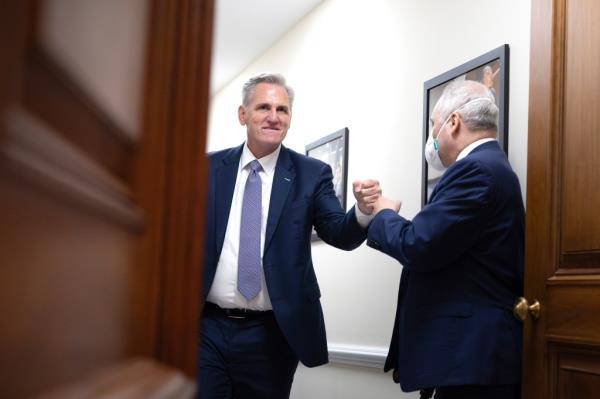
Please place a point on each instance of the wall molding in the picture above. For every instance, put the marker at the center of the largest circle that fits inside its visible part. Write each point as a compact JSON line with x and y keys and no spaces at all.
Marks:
{"x":31,"y":150}
{"x":361,"y":356}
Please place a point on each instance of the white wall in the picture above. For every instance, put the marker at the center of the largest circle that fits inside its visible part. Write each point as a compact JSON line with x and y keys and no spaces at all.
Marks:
{"x":362,"y":65}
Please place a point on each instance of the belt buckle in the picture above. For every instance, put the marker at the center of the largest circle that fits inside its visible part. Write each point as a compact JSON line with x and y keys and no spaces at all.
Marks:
{"x":229,"y":314}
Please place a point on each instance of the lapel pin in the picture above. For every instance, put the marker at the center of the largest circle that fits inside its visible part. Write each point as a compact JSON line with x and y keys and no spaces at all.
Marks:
{"x":287,"y":179}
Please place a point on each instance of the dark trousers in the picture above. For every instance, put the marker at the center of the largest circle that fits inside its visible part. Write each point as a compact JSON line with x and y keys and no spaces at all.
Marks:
{"x":244,"y":358}
{"x":479,"y":392}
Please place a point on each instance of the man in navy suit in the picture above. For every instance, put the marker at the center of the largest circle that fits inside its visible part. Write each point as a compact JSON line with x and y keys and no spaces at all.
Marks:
{"x":262,"y":312}
{"x":462,"y":258}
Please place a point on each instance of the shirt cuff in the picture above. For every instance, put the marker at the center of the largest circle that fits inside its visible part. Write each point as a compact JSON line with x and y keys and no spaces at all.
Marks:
{"x":362,"y":219}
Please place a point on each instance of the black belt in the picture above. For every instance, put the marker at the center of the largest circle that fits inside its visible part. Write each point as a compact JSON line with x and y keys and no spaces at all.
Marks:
{"x":236,"y":313}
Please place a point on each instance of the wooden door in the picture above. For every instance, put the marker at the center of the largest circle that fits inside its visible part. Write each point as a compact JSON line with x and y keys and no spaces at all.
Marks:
{"x":101,"y":208}
{"x":562,"y":346}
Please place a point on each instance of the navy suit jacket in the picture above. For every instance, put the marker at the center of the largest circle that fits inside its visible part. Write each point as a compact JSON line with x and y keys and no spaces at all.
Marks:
{"x":463,"y":269}
{"x":302,"y":196}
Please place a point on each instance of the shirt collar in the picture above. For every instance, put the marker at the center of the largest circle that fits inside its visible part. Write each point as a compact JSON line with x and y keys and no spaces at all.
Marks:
{"x":268,"y":162}
{"x":467,"y":150}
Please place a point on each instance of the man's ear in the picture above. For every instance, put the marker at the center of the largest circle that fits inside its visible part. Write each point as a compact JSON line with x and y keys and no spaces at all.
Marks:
{"x":454,"y":123}
{"x":242,"y":115}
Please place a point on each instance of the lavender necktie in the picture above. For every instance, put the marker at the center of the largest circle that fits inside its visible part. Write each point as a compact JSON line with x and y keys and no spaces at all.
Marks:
{"x":249,"y":278}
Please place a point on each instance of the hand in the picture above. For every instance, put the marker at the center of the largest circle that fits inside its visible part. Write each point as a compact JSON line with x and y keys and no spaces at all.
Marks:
{"x":366,"y":193}
{"x":386,"y":203}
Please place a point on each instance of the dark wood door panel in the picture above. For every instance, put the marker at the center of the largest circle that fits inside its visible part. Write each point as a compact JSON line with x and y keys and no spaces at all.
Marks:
{"x":577,"y":372}
{"x":573,"y":311}
{"x":34,"y":152}
{"x":64,"y":290}
{"x":581,"y":173}
{"x":56,"y":99}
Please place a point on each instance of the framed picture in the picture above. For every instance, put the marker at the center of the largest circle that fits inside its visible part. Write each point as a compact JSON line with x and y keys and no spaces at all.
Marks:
{"x":491,"y":69}
{"x":333,"y":150}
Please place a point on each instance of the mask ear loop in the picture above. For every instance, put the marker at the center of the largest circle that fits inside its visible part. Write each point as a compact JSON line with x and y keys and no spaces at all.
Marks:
{"x":462,"y":106}
{"x":470,"y":102}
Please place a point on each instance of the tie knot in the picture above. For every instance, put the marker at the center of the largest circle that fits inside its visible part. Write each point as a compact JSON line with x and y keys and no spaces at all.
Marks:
{"x":255,"y":166}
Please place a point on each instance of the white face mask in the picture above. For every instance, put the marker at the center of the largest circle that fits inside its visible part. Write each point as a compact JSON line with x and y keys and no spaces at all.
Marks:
{"x":432,"y":155}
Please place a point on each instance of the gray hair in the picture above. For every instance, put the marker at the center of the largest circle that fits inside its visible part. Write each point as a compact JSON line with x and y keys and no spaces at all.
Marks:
{"x":272,"y":78}
{"x":478,"y":115}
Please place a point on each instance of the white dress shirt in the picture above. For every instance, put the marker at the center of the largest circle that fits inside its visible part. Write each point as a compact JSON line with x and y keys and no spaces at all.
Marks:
{"x":223,"y":291}
{"x":363,"y":219}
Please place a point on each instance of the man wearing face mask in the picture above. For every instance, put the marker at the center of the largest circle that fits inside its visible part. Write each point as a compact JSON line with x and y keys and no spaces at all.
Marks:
{"x":462,"y":258}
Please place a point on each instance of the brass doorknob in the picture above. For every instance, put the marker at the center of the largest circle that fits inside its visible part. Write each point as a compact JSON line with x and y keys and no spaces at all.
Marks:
{"x":522,"y":307}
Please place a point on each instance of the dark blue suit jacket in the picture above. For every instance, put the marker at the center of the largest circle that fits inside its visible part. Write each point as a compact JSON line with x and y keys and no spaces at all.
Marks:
{"x":302,"y":196}
{"x":463,"y":269}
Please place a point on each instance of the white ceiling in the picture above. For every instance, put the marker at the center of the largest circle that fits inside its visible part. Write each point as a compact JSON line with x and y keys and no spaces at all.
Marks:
{"x":244,"y":29}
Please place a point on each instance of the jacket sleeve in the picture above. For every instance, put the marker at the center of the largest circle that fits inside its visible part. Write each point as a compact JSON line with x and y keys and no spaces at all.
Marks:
{"x":332,"y":224}
{"x":444,"y":229}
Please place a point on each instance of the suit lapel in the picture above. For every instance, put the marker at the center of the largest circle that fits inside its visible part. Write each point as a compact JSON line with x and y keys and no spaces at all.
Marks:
{"x":282,"y":182}
{"x":226,"y":175}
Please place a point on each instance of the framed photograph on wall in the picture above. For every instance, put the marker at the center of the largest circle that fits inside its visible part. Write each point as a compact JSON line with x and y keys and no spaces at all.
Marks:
{"x":491,"y":69}
{"x":333,"y":150}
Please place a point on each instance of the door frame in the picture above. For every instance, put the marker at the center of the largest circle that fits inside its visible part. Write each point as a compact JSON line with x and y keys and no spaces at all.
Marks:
{"x":170,"y":174}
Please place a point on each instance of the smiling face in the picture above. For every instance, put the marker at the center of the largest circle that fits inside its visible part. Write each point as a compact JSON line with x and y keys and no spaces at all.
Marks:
{"x":267,"y":118}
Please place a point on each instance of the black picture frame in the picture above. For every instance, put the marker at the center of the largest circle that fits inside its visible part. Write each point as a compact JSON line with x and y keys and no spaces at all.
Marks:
{"x":498,"y":61}
{"x":333,"y":150}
